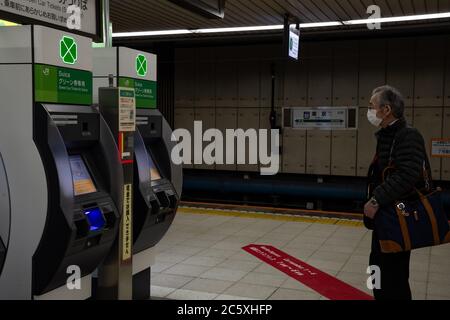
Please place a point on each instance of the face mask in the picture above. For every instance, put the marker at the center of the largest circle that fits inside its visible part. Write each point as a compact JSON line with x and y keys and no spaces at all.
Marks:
{"x":373,"y":119}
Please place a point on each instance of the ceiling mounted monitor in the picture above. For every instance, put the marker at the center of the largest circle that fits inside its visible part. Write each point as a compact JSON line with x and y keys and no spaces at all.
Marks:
{"x":293,"y":42}
{"x":211,"y":9}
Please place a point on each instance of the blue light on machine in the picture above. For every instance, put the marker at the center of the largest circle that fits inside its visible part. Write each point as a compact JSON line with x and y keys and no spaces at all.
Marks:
{"x":95,"y":219}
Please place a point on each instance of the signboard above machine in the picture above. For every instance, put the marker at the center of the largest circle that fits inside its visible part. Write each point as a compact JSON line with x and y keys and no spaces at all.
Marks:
{"x":211,"y":9}
{"x":323,"y":118}
{"x":83,"y":17}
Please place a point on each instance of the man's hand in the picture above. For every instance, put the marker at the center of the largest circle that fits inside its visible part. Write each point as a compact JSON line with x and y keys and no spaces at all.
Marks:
{"x":370,"y":210}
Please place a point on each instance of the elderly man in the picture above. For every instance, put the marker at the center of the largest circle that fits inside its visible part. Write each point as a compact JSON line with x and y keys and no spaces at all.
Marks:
{"x":403,"y":147}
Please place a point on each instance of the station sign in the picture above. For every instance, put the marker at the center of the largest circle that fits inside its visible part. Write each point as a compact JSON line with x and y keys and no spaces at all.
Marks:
{"x":323,"y":118}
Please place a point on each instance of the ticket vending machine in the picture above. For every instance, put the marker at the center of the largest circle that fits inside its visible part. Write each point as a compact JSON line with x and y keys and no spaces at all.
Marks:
{"x":57,"y":178}
{"x":4,"y":213}
{"x":157,"y":181}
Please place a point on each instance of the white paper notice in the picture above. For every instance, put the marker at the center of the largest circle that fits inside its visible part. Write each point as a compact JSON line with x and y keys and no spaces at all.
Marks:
{"x":127,"y":110}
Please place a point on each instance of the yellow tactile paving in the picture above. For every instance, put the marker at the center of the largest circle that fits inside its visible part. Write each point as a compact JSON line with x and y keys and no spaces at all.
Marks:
{"x":268,"y":216}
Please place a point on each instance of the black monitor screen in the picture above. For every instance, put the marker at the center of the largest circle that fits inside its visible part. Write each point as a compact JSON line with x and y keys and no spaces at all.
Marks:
{"x":155,"y":175}
{"x":294,"y":43}
{"x":82,"y":180}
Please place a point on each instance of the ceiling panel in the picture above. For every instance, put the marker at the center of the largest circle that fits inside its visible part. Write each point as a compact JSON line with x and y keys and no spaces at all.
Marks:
{"x":407,"y":7}
{"x":396,"y":8}
{"x":444,"y":5}
{"x":150,"y":15}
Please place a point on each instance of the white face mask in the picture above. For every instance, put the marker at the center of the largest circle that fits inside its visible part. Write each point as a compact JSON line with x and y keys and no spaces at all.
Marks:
{"x":373,"y":119}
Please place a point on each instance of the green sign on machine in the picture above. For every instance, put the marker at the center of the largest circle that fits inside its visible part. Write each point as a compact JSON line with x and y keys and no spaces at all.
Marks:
{"x":145,"y":91}
{"x":54,"y":84}
{"x":62,"y":85}
{"x":68,"y":50}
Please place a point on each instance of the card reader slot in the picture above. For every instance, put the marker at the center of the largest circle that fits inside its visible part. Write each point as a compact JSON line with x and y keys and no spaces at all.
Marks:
{"x":110,"y":218}
{"x":161,"y":218}
{"x":155,"y":207}
{"x":93,"y":241}
{"x":82,"y":228}
{"x":173,"y":201}
{"x":163,"y":199}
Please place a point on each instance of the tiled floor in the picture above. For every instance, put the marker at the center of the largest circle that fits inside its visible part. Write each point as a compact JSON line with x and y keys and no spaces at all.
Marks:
{"x":201,"y":258}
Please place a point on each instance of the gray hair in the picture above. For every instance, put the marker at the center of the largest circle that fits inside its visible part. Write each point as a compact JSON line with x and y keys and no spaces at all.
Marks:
{"x":388,"y":95}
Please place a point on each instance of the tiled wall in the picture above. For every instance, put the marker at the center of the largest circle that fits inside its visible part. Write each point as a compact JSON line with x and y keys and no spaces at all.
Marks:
{"x":230,"y":87}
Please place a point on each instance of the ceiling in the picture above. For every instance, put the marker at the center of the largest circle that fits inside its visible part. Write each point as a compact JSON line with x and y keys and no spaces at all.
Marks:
{"x":151,"y":15}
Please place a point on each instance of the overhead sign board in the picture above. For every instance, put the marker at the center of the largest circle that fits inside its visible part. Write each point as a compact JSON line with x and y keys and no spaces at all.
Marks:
{"x":324,"y":118}
{"x":86,"y":21}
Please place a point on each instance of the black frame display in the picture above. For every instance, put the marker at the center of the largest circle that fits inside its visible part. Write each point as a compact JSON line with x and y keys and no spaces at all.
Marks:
{"x":288,"y":27}
{"x":202,"y":8}
{"x":97,"y":37}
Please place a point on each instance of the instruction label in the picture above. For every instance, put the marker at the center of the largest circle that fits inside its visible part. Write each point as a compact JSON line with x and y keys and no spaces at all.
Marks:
{"x":127,"y":110}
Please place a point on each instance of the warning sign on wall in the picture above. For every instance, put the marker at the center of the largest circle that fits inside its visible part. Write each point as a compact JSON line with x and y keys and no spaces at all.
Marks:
{"x":440,"y":148}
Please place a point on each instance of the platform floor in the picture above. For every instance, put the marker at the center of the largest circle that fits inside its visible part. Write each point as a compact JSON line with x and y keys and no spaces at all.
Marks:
{"x":201,"y":257}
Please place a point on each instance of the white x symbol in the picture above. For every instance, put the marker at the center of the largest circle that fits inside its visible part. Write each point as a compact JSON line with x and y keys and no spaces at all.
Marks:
{"x":141,"y":66}
{"x":68,"y":51}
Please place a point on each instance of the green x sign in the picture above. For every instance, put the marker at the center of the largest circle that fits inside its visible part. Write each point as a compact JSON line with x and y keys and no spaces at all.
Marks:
{"x":68,"y":50}
{"x":141,"y":65}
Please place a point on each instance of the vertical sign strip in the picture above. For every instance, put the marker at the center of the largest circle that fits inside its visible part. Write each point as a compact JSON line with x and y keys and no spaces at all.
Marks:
{"x":127,"y":237}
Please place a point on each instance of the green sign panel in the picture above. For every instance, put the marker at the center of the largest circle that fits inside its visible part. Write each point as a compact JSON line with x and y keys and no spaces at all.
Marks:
{"x":61,"y":85}
{"x":68,"y":50}
{"x":145,"y":91}
{"x":141,"y":65}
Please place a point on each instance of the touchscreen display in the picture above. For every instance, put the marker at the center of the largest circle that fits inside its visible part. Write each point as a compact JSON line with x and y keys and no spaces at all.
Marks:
{"x":82,"y":180}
